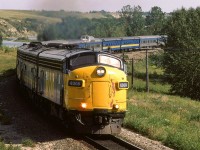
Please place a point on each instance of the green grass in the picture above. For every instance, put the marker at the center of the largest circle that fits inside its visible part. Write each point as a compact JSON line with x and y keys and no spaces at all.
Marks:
{"x":10,"y":147}
{"x":51,"y":17}
{"x":17,"y":14}
{"x":7,"y":59}
{"x":28,"y":143}
{"x":173,"y":120}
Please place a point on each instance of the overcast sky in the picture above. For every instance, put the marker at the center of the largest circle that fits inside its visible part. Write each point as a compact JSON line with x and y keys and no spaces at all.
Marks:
{"x":88,"y":5}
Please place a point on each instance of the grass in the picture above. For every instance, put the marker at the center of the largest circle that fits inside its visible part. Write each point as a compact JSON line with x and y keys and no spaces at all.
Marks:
{"x":17,"y":14}
{"x":7,"y":59}
{"x":28,"y":143}
{"x":9,"y":147}
{"x":173,"y":120}
{"x":51,"y":17}
{"x":25,"y":143}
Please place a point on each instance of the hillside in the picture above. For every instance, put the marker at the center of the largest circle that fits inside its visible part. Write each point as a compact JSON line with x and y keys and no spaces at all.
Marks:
{"x":26,"y":23}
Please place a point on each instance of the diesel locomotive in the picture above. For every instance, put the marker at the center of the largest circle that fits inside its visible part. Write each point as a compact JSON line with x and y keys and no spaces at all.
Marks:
{"x":86,"y":89}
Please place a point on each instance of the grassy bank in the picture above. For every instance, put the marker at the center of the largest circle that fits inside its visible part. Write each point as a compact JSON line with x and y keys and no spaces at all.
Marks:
{"x":7,"y":60}
{"x":171,"y":119}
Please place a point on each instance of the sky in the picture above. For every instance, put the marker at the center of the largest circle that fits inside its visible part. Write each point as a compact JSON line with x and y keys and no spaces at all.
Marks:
{"x":89,"y":5}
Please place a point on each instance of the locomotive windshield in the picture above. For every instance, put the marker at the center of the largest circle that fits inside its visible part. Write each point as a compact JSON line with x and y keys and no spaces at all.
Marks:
{"x":81,"y":60}
{"x":104,"y":59}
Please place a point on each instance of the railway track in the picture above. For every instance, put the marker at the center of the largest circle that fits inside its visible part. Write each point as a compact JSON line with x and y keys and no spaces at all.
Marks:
{"x":109,"y":142}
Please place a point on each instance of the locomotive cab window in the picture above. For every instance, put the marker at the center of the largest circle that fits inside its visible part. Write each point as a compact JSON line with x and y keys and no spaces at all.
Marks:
{"x":104,"y":59}
{"x":93,"y":59}
{"x":82,"y":60}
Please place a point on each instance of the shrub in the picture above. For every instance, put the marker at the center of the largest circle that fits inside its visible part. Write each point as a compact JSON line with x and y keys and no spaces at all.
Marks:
{"x":28,"y":143}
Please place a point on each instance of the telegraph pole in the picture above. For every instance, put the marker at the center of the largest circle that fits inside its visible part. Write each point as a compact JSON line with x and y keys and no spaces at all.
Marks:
{"x":147,"y":72}
{"x":132,"y":73}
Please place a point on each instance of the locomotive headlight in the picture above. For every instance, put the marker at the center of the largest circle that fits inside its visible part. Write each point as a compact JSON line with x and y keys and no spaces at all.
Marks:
{"x":101,"y":71}
{"x":115,"y":106}
{"x":83,"y":105}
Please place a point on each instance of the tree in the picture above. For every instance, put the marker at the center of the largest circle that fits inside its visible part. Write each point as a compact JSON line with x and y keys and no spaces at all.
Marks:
{"x":182,"y":61}
{"x":155,"y":20}
{"x":133,"y":20}
{"x":73,"y":28}
{"x":107,"y":27}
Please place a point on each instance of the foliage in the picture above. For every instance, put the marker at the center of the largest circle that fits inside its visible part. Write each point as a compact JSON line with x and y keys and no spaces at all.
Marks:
{"x":181,"y":63}
{"x":73,"y":28}
{"x":28,"y":143}
{"x":183,"y":29}
{"x":69,"y":28}
{"x":155,"y":20}
{"x":10,"y":147}
{"x":182,"y":72}
{"x":131,"y":23}
{"x":7,"y":59}
{"x":133,"y":20}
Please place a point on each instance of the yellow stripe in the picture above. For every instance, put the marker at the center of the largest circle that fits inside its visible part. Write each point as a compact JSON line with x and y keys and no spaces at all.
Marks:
{"x":106,"y":47}
{"x":127,"y":45}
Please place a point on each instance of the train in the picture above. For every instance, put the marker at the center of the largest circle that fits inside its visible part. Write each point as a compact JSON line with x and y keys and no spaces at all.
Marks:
{"x":86,"y":89}
{"x":120,"y":44}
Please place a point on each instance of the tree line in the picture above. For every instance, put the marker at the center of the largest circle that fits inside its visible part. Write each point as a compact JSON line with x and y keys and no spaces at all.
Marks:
{"x":132,"y":22}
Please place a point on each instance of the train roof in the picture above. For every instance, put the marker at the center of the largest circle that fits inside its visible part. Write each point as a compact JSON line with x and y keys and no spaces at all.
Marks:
{"x":149,"y":36}
{"x":56,"y":50}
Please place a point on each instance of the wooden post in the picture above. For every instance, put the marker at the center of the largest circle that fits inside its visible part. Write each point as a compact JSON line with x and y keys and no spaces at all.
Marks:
{"x":132,"y":73}
{"x":147,"y":73}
